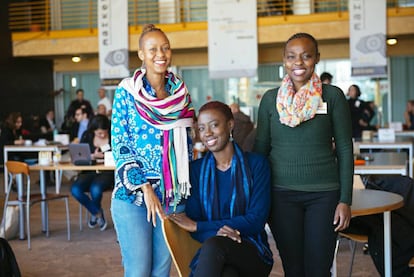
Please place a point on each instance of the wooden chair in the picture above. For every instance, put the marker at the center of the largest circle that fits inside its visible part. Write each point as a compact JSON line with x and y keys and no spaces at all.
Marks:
{"x":353,"y":240}
{"x":181,"y":245}
{"x":21,"y":169}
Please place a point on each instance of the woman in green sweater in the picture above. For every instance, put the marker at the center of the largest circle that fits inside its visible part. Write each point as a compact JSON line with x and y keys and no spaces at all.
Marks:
{"x":304,"y":127}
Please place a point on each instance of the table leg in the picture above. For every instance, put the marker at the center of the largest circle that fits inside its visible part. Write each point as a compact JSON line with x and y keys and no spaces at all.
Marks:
{"x":6,"y":175}
{"x":58,"y":180}
{"x":43,"y":204}
{"x":410,"y":161}
{"x":387,"y":245}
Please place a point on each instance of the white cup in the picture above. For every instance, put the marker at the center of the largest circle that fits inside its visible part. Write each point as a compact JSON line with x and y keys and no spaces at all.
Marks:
{"x":28,"y":142}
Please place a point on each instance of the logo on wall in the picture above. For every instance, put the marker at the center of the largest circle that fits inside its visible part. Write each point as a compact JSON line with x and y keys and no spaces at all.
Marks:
{"x":117,"y":57}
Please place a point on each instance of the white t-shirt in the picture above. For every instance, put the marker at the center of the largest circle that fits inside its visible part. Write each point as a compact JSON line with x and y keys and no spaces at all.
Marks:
{"x":105,"y":101}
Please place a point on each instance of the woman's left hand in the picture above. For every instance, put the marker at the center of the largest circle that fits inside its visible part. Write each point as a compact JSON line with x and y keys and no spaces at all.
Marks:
{"x":226,"y":231}
{"x":342,"y":217}
{"x":182,"y":220}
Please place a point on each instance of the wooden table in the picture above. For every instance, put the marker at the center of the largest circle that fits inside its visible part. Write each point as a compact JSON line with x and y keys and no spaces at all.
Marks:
{"x":58,"y":168}
{"x":384,"y":163}
{"x":368,"y":202}
{"x":27,"y":148}
{"x":400,"y":143}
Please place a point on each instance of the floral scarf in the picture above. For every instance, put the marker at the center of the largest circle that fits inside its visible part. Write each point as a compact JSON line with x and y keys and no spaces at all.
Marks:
{"x":297,"y":107}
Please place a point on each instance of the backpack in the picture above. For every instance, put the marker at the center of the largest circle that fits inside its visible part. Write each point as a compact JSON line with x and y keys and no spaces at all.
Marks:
{"x":8,"y":263}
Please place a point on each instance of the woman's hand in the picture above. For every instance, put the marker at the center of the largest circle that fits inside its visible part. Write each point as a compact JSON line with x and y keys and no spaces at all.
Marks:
{"x":226,"y":231}
{"x":153,"y":204}
{"x":342,"y":217}
{"x":97,"y":154}
{"x":184,"y":221}
{"x":19,"y":141}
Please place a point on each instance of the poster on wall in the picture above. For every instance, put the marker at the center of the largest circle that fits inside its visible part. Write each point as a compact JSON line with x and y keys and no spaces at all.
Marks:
{"x":367,"y":26}
{"x":113,"y":41}
{"x":232,"y":38}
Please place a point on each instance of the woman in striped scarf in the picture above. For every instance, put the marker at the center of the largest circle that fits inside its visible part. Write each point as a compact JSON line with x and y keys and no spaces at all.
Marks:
{"x":151,"y":118}
{"x":229,"y":202}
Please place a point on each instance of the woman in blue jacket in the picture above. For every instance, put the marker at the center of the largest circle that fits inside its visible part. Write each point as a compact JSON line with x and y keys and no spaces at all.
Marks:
{"x":229,"y":202}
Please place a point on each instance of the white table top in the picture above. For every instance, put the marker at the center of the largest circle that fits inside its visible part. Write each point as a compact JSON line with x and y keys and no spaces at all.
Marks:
{"x":368,"y":201}
{"x":384,"y":163}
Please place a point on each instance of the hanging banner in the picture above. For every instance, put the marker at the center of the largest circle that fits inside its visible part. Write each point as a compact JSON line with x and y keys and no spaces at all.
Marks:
{"x":113,"y":41}
{"x":232,"y":38}
{"x":367,"y":19}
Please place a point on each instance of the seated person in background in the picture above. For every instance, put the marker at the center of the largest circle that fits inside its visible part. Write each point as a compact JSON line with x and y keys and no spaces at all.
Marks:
{"x":409,"y":115}
{"x":98,"y":137}
{"x":101,"y":109}
{"x":47,"y":123}
{"x":103,"y":100}
{"x":82,"y":121}
{"x":11,"y":134}
{"x":229,"y":202}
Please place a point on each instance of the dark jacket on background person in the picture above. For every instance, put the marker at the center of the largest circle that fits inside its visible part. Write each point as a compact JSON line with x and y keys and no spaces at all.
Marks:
{"x":242,"y":127}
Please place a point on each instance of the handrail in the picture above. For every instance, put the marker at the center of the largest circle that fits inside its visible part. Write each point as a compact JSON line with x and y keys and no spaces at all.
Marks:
{"x":80,"y":14}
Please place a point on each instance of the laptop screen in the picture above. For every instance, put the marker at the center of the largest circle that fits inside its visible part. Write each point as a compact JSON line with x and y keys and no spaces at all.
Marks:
{"x":80,"y":153}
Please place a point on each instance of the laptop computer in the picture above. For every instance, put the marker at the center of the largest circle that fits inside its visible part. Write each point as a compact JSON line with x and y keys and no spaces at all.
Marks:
{"x":80,"y":154}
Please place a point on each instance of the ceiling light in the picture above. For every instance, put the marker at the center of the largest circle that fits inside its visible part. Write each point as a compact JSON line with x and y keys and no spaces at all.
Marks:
{"x":392,"y":41}
{"x":76,"y":59}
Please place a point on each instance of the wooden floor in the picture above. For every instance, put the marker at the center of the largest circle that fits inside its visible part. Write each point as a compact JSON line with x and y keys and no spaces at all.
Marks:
{"x":95,"y":253}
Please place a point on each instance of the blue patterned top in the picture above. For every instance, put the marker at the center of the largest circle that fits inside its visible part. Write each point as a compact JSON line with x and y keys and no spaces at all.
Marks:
{"x":137,"y":150}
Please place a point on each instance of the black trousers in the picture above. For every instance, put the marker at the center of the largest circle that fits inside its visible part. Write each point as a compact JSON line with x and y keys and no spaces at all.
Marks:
{"x":302,"y":225}
{"x":221,"y":256}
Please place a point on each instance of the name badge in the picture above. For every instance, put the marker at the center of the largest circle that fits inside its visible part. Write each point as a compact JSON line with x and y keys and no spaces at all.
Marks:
{"x":323,"y":108}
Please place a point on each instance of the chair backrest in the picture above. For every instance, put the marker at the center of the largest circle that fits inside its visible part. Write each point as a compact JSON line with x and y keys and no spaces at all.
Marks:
{"x":358,"y":184}
{"x":181,"y":245}
{"x":15,"y":167}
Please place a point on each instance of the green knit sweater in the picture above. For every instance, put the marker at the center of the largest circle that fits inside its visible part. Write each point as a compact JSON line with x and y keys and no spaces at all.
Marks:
{"x":303,"y":158}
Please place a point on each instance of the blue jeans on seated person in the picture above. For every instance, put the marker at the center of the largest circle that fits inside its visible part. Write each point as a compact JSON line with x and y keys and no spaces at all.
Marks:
{"x":143,"y":248}
{"x":95,"y":184}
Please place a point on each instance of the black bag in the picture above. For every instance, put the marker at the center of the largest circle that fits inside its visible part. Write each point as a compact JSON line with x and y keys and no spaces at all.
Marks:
{"x":8,"y":263}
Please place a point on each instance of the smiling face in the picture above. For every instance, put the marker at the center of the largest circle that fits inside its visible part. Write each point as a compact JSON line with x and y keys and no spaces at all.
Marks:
{"x":155,"y":52}
{"x":300,"y":58}
{"x":214,"y":129}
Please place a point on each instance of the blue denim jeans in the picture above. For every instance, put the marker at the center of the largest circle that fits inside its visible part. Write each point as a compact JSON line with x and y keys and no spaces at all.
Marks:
{"x":95,"y":184}
{"x":143,"y":248}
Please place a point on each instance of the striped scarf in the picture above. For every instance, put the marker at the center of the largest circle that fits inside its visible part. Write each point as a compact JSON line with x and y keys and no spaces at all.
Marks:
{"x":172,"y":115}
